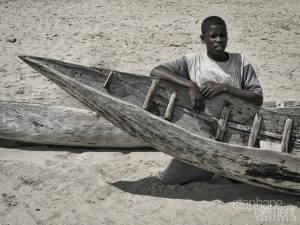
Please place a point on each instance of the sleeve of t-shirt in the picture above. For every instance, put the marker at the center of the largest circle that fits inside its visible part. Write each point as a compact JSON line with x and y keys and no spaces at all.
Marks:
{"x":178,"y":66}
{"x":250,"y":81}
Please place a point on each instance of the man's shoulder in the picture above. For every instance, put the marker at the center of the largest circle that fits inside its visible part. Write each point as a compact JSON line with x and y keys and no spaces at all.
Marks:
{"x":239,"y":57}
{"x":236,"y":55}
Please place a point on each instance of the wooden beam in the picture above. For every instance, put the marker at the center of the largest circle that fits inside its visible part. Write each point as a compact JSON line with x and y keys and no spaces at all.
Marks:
{"x":150,"y":93}
{"x":280,"y":104}
{"x":222,"y":123}
{"x":60,"y":125}
{"x":108,"y":80}
{"x":254,"y":130}
{"x":286,"y":135}
{"x":248,"y":129}
{"x":270,"y":145}
{"x":170,"y":107}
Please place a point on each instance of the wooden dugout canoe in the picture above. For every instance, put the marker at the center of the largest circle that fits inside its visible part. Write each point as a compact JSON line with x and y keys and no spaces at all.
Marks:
{"x":66,"y":126}
{"x":285,"y":107}
{"x":59,"y":125}
{"x":186,"y":136}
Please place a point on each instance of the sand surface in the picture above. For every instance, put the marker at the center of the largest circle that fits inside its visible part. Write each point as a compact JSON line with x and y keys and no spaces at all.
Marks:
{"x":59,"y":185}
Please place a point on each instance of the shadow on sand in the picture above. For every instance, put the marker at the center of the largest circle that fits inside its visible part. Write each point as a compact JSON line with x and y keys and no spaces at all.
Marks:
{"x":221,"y":190}
{"x":37,"y":147}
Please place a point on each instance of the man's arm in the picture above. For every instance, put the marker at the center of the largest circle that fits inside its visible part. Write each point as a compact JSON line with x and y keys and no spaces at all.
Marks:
{"x":164,"y":73}
{"x":213,"y":89}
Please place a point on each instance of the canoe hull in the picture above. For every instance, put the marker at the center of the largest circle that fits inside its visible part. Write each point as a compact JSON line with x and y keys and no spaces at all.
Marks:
{"x":58,"y":125}
{"x":264,"y":168}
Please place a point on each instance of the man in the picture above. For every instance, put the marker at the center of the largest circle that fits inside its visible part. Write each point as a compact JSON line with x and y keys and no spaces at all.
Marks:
{"x":206,"y":75}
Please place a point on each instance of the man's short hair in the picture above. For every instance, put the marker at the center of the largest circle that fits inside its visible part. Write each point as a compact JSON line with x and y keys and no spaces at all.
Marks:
{"x":210,"y":21}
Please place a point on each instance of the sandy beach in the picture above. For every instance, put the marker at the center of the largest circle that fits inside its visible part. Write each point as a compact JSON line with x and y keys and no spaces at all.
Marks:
{"x":63,"y":185}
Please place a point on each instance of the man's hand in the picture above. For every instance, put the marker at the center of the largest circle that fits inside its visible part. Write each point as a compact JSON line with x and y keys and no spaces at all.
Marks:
{"x":196,"y":98}
{"x":212,"y":89}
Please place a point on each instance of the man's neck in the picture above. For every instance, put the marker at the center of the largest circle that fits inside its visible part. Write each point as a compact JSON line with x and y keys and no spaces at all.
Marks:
{"x":220,"y":58}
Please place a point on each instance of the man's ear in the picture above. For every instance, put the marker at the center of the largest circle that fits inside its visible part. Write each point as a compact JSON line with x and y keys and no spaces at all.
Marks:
{"x":202,"y":38}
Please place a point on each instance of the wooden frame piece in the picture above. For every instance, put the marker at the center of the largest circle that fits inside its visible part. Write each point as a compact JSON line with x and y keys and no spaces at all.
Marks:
{"x":254,"y":130}
{"x":286,"y":135}
{"x":150,"y":93}
{"x":170,"y":107}
{"x":273,"y":146}
{"x":222,"y":123}
{"x":108,"y":80}
{"x":280,"y":104}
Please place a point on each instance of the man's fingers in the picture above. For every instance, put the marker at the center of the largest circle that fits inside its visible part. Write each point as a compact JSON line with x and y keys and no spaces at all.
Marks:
{"x":203,"y":89}
{"x":211,"y":94}
{"x":204,"y":93}
{"x":194,"y":105}
{"x":208,"y":92}
{"x":200,"y":105}
{"x":197,"y":99}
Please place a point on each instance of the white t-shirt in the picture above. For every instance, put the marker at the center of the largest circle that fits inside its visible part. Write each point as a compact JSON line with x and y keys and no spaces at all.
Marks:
{"x":236,"y":71}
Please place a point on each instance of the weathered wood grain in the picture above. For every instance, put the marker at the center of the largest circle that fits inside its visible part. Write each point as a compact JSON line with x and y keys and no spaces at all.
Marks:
{"x":273,"y":170}
{"x":254,"y":130}
{"x":170,"y":107}
{"x":150,"y":94}
{"x":222,"y":123}
{"x":134,"y":89}
{"x":285,"y":107}
{"x":273,"y":104}
{"x":287,"y":110}
{"x":108,"y":80}
{"x":270,"y":145}
{"x":286,"y":134}
{"x":58,"y":125}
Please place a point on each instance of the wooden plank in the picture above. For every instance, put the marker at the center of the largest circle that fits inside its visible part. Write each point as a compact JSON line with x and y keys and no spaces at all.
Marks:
{"x":286,"y":135}
{"x":270,"y":146}
{"x":287,"y":110}
{"x":284,"y":107}
{"x":292,"y":104}
{"x":60,"y":125}
{"x":222,"y":123}
{"x":287,"y":104}
{"x":150,"y":93}
{"x":247,"y":129}
{"x":108,"y":80}
{"x":254,"y":130}
{"x":280,"y":104}
{"x":170,"y":107}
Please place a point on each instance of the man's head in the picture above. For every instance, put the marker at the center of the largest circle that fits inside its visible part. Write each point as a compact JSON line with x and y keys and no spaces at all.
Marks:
{"x":210,"y":21}
{"x":214,"y":35}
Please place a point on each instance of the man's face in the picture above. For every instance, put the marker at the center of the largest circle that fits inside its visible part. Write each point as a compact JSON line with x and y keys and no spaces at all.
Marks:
{"x":215,"y":39}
